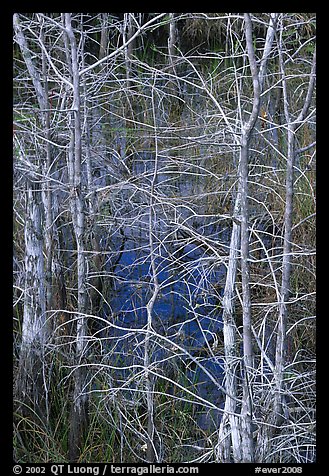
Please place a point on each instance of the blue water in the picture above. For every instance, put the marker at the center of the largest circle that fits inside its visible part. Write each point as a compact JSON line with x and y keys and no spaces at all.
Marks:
{"x":187,"y":311}
{"x":185,"y":302}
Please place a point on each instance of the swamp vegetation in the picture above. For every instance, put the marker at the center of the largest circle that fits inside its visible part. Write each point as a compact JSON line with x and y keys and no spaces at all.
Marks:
{"x":164,"y":237}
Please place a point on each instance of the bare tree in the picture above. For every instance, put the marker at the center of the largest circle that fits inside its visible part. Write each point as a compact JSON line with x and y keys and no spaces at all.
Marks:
{"x":167,"y":306}
{"x":285,"y":291}
{"x":30,"y":380}
{"x":242,"y":432}
{"x":79,"y":415}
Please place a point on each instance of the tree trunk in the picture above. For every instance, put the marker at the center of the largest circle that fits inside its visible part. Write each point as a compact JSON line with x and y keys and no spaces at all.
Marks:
{"x":30,"y":386}
{"x":172,"y":40}
{"x":128,"y":31}
{"x":248,"y":365}
{"x":281,"y":343}
{"x":31,"y":389}
{"x":152,"y":451}
{"x":229,"y":432}
{"x":79,"y":410}
{"x":241,"y":431}
{"x":277,"y":415}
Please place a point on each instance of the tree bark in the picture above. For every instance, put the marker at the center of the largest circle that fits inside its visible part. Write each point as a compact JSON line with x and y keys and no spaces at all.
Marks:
{"x":30,"y":386}
{"x":79,"y":410}
{"x":277,"y":415}
{"x":229,"y":430}
{"x":248,"y":364}
{"x":292,"y":125}
{"x":172,"y":40}
{"x":241,"y":431}
{"x":152,"y":451}
{"x":30,"y":389}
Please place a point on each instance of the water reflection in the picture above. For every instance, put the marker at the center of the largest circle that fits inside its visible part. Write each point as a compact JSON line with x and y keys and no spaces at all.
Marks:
{"x":186,"y":316}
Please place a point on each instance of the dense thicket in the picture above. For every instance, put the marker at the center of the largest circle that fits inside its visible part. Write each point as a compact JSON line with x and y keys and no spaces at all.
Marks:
{"x":164,"y":237}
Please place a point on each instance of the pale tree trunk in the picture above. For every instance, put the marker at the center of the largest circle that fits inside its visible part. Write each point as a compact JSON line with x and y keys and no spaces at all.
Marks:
{"x":248,"y":364}
{"x":31,"y":388}
{"x":248,"y":358}
{"x":276,"y":416}
{"x":240,"y":429}
{"x":50,"y":227}
{"x":229,"y":431}
{"x":247,"y":371}
{"x":292,"y":126}
{"x":79,"y":410}
{"x":26,"y":53}
{"x":172,"y":40}
{"x":152,"y":450}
